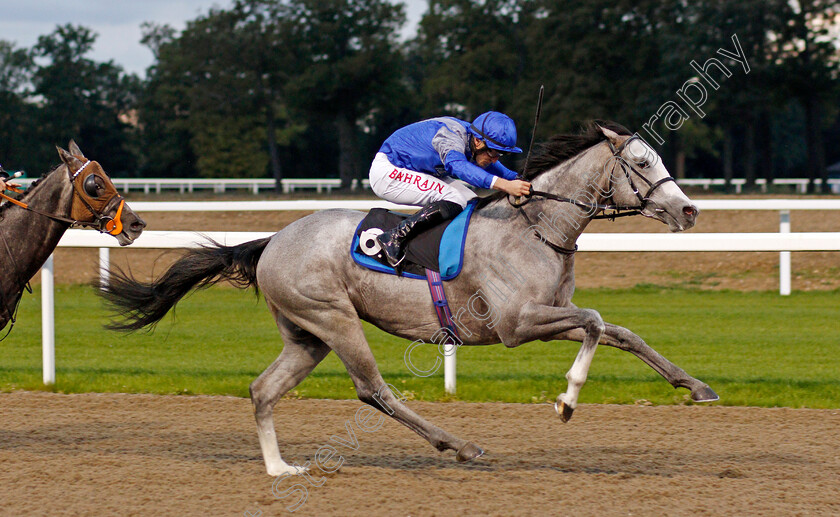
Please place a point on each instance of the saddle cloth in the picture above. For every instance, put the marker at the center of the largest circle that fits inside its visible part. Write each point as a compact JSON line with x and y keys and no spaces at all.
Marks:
{"x":440,"y":249}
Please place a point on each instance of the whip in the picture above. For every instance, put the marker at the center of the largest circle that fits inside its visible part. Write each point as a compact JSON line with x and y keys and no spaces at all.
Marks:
{"x":516,"y":202}
{"x":533,"y":132}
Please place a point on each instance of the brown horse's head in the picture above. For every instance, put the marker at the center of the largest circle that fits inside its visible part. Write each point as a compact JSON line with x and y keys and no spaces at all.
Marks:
{"x":96,"y":200}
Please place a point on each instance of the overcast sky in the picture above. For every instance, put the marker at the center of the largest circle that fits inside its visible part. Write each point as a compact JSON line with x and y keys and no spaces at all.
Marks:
{"x":117,"y":22}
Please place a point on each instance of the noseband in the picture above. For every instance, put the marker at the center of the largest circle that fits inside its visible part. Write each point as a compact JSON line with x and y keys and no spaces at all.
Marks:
{"x":616,"y":210}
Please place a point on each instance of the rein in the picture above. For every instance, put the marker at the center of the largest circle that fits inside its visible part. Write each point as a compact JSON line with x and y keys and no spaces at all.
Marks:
{"x":12,"y":310}
{"x":27,"y":207}
{"x":616,"y":210}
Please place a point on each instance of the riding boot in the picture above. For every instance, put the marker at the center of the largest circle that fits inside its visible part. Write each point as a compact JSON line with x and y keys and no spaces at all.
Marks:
{"x":393,"y":241}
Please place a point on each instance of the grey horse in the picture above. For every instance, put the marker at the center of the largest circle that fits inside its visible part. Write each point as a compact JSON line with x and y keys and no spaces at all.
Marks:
{"x":76,"y":192}
{"x":516,"y":284}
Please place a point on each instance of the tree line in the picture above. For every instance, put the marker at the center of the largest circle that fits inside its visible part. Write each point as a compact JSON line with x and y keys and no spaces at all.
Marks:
{"x":310,"y":88}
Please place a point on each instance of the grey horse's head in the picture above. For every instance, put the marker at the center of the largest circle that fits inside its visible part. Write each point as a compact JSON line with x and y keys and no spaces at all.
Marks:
{"x":645,"y":180}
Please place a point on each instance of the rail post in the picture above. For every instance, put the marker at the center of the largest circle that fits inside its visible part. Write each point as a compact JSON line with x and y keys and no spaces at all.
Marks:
{"x":48,"y":320}
{"x":104,"y":264}
{"x":784,"y":256}
{"x":449,"y":374}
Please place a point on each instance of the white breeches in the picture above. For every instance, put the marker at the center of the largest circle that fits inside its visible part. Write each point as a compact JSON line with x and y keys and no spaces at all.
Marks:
{"x":407,"y":187}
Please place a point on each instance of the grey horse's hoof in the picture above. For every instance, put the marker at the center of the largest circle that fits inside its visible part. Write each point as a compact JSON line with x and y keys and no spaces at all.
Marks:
{"x":564,"y":411}
{"x":469,"y":452}
{"x":704,"y":394}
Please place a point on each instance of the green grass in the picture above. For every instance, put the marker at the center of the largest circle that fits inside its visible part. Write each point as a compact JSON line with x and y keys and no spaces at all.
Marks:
{"x":753,"y":348}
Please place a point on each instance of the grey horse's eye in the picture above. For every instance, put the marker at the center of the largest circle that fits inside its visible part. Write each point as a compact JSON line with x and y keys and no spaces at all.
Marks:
{"x":90,"y":186}
{"x":641,"y":156}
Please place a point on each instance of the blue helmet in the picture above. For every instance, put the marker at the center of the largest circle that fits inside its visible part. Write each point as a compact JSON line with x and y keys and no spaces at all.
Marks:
{"x":497,"y":130}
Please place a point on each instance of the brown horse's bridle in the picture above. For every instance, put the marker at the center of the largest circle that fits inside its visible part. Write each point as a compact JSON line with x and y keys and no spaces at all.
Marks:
{"x":85,"y":192}
{"x":85,"y":189}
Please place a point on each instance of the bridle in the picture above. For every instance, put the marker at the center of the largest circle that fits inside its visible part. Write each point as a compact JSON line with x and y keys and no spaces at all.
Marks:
{"x":616,"y":210}
{"x":592,"y":208}
{"x":629,"y":171}
{"x":85,"y":191}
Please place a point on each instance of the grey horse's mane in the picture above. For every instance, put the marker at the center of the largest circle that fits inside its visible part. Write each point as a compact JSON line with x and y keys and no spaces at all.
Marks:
{"x":35,"y":183}
{"x":560,"y":148}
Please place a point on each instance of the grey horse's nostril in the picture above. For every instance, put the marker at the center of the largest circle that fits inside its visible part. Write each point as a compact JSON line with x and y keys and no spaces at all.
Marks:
{"x":690,"y":211}
{"x":138,"y":226}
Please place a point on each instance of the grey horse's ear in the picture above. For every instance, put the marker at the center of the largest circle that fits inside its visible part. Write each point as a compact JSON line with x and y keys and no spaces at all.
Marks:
{"x":610,"y":134}
{"x":74,"y":149}
{"x":69,"y":160}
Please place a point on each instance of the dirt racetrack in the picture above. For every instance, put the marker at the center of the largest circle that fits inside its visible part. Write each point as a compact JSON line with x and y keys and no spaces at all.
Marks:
{"x":100,"y":455}
{"x":115,"y":454}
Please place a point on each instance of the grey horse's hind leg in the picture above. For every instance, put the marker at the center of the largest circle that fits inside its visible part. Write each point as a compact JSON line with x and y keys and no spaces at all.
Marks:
{"x":301,"y":354}
{"x":384,"y":400}
{"x":349,"y":343}
{"x":624,"y":339}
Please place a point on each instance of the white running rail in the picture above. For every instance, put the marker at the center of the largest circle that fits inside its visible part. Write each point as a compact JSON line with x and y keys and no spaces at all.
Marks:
{"x":783,"y":242}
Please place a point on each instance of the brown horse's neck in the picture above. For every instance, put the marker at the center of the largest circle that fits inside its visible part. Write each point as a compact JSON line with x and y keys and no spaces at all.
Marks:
{"x":27,"y":239}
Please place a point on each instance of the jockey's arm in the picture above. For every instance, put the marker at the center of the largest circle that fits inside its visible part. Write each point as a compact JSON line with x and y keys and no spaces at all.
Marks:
{"x":458,"y":165}
{"x":508,"y":181}
{"x":514,"y":188}
{"x":501,"y":171}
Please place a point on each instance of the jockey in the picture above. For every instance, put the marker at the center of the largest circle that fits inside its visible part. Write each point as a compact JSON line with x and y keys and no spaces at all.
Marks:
{"x":427,"y":163}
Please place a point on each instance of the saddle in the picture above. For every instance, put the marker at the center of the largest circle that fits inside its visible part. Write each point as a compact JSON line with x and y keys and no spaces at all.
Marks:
{"x":440,"y":249}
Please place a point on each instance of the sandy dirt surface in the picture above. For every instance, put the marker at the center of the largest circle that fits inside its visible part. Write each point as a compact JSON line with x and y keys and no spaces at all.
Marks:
{"x":117,"y":454}
{"x":711,"y":270}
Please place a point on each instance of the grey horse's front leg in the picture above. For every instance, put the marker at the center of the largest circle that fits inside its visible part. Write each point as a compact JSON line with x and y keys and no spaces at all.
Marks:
{"x":541,"y":322}
{"x":624,"y":339}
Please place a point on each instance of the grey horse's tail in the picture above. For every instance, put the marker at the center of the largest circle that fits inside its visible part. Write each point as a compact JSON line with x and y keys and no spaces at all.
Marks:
{"x":140,"y":304}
